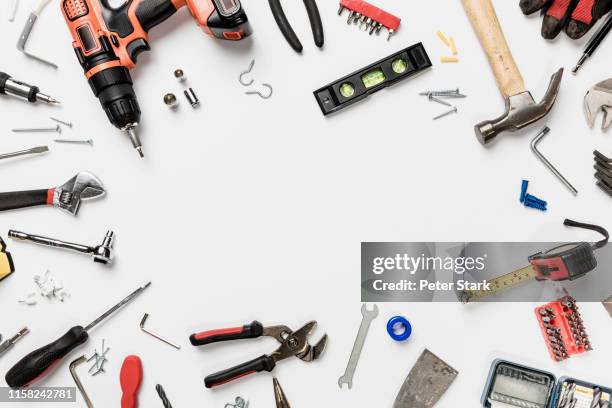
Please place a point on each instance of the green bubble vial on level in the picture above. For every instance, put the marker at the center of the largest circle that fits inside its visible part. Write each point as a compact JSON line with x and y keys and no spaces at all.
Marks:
{"x":347,"y":89}
{"x":399,"y":66}
{"x":373,"y":78}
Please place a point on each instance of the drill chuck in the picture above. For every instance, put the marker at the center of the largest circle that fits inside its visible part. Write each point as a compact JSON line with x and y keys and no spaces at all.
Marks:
{"x":114,"y":89}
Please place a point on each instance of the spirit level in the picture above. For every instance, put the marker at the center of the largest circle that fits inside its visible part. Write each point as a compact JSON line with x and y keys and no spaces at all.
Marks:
{"x":360,"y":84}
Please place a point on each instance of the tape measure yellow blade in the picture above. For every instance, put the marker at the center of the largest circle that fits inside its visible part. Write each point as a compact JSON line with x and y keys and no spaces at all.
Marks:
{"x":501,"y":283}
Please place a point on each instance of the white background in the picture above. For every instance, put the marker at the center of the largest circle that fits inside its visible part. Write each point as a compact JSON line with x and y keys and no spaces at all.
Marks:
{"x":251,"y":209}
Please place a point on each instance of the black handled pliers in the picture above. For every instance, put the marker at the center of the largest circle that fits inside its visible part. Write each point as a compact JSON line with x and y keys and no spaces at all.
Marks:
{"x":293,"y":344}
{"x":287,"y":30}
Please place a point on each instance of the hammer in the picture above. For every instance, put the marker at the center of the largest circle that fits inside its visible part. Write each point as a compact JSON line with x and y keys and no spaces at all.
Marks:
{"x":521,"y":108}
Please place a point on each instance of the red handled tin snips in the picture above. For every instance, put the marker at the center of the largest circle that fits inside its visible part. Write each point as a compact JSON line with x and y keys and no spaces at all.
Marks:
{"x":293,"y":344}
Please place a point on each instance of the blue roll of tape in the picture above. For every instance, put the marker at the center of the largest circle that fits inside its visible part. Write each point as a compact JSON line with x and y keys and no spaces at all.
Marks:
{"x":395,"y":326}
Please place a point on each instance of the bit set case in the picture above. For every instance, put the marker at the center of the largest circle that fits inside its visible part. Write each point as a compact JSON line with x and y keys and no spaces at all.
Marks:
{"x":514,"y":385}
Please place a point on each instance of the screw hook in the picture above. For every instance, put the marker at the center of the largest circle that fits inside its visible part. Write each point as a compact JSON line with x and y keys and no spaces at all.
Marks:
{"x":260,"y":94}
{"x":248,"y":71}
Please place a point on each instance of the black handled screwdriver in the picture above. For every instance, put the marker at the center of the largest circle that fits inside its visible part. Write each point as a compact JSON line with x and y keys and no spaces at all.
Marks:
{"x":11,"y":86}
{"x":594,"y":43}
{"x":41,"y":362}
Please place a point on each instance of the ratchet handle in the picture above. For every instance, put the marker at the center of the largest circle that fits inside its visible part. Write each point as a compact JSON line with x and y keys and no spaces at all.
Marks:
{"x":263,"y":363}
{"x":41,"y":362}
{"x":23,"y":199}
{"x":248,"y":331}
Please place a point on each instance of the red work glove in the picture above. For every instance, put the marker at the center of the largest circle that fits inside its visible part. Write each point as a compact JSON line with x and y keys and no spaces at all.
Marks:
{"x":576,"y":17}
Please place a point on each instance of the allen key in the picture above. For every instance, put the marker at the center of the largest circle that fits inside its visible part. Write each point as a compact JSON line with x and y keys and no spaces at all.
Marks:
{"x":534,"y":149}
{"x":77,"y":381}
{"x":157,"y":336}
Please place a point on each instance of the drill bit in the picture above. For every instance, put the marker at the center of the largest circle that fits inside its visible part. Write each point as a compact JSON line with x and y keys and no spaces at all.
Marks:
{"x":162,"y":396}
{"x":131,"y":131}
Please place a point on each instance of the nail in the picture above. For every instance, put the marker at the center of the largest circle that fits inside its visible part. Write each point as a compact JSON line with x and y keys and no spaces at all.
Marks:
{"x":454,"y":110}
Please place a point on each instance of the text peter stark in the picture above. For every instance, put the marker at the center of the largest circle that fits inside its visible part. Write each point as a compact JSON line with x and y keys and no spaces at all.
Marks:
{"x":407,"y":285}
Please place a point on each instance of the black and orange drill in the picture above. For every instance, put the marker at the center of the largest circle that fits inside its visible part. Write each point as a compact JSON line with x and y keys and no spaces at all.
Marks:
{"x":108,"y":40}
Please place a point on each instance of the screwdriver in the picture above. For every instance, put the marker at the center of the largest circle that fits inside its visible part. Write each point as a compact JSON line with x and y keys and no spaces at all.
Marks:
{"x":11,"y":86}
{"x":594,"y":43}
{"x":40,"y":362}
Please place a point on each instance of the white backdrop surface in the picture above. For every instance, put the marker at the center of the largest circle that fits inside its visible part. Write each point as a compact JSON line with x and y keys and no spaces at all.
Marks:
{"x":250,"y":209}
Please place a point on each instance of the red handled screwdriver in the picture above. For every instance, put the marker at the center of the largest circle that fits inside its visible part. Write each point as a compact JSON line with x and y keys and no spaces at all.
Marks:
{"x":41,"y":362}
{"x":130,"y":379}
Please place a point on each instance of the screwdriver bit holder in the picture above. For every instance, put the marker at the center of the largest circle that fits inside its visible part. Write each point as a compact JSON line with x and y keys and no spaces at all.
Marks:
{"x":563,"y":329}
{"x":361,"y":12}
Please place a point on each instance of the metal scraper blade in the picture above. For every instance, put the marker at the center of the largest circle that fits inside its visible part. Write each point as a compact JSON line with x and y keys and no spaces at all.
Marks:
{"x":427,"y":381}
{"x":608,"y":305}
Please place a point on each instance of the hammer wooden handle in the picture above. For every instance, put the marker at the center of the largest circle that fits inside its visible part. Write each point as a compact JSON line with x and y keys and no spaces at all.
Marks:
{"x":486,"y":24}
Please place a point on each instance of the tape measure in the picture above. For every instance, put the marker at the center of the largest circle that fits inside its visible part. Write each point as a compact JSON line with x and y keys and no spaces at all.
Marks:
{"x":564,"y":262}
{"x":6,"y":261}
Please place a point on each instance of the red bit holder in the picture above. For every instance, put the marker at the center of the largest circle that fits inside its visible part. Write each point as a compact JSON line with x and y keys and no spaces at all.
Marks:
{"x":373,"y":17}
{"x":563,"y":329}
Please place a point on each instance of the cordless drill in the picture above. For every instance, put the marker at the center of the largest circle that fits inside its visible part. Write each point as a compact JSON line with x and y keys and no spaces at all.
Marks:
{"x":108,"y":40}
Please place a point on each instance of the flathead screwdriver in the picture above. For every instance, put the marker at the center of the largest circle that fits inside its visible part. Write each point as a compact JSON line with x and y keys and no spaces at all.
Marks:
{"x":42,"y":361}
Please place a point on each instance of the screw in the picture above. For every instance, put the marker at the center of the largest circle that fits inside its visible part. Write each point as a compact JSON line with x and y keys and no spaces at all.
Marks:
{"x":75,"y":141}
{"x":69,"y":124}
{"x":454,"y":110}
{"x":57,"y":129}
{"x":433,"y":98}
{"x":441,"y":92}
{"x":453,"y":95}
{"x":524,"y":186}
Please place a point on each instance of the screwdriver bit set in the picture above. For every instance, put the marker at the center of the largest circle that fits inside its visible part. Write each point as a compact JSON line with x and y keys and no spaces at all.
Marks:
{"x":563,"y":328}
{"x":514,"y":385}
{"x":374,"y":18}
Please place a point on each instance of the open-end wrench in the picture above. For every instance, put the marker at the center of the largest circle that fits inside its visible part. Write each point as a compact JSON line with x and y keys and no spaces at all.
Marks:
{"x":368,"y":316}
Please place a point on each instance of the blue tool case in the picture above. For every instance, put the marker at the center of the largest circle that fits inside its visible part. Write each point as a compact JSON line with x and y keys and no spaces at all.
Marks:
{"x":515,"y":385}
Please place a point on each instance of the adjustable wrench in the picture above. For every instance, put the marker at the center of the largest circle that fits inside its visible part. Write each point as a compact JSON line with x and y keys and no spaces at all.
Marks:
{"x":368,"y":316}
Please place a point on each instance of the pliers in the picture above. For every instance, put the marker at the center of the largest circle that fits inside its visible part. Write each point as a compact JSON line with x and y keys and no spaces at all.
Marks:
{"x":293,"y":344}
{"x":287,"y":30}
